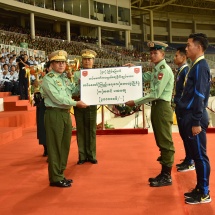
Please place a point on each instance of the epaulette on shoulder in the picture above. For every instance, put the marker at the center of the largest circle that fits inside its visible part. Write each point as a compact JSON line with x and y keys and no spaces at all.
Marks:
{"x":162,"y":66}
{"x":51,"y":75}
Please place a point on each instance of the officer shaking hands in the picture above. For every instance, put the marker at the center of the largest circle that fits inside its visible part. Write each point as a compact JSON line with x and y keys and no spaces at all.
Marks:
{"x":161,"y":80}
{"x":57,"y":92}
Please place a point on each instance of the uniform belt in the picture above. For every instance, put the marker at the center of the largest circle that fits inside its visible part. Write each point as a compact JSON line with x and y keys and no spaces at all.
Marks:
{"x":76,"y":98}
{"x":158,"y":101}
{"x":58,"y":109}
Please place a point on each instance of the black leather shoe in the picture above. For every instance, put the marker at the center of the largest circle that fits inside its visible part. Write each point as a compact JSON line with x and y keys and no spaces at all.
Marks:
{"x":155,"y":178}
{"x":61,"y":183}
{"x":68,"y":180}
{"x":93,"y":161}
{"x":81,"y":162}
{"x":163,"y":180}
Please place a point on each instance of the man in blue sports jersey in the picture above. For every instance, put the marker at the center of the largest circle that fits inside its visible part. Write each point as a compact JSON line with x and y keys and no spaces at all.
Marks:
{"x":194,"y":117}
{"x":180,"y":59}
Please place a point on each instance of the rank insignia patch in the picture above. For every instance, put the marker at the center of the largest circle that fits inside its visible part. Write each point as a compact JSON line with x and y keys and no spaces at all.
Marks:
{"x":51,"y":75}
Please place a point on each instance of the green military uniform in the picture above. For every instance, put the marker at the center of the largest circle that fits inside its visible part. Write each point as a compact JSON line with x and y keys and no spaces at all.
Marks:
{"x":86,"y":121}
{"x":161,"y":84}
{"x":57,"y":93}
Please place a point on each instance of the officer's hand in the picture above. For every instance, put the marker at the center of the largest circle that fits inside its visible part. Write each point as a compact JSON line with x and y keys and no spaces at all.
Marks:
{"x":196,"y":130}
{"x":130,"y":103}
{"x":129,"y":64}
{"x":81,"y":104}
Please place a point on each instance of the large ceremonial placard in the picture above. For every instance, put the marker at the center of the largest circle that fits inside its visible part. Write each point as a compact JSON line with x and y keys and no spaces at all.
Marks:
{"x":111,"y":85}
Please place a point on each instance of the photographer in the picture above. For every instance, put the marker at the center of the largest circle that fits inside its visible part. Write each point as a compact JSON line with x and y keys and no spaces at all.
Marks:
{"x":22,"y":62}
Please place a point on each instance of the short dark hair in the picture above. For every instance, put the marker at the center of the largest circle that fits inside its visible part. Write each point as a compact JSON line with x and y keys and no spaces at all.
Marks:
{"x":46,"y":66}
{"x":200,"y":38}
{"x":182,"y":50}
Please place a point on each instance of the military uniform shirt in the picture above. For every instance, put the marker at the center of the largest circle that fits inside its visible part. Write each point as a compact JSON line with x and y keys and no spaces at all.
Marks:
{"x":57,"y":91}
{"x":161,"y":83}
{"x":77,"y":75}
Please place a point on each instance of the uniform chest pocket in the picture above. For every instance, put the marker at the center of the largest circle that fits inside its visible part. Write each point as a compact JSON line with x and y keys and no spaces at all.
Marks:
{"x":154,"y":80}
{"x":60,"y":87}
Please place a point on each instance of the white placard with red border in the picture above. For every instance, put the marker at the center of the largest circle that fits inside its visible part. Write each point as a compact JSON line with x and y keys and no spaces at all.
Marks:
{"x":111,"y":85}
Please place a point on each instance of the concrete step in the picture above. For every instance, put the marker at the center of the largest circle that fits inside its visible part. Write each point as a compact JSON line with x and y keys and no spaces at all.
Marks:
{"x":4,"y":94}
{"x":10,"y":98}
{"x":22,"y":119}
{"x":20,"y":105}
{"x":8,"y":134}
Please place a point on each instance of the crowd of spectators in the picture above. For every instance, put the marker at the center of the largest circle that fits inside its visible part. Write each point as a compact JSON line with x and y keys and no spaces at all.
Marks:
{"x":107,"y":55}
{"x":9,"y":69}
{"x":46,"y":40}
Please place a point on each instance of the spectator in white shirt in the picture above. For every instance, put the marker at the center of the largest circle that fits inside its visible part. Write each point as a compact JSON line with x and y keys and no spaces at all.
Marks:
{"x":14,"y":78}
{"x":31,"y":61}
{"x":2,"y":62}
{"x":6,"y":79}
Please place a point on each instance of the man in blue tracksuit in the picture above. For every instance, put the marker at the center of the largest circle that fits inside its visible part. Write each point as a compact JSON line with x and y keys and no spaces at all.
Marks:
{"x":180,"y":59}
{"x":193,"y":115}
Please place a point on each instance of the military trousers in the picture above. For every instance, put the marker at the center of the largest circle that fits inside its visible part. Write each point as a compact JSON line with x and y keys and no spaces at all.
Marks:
{"x":86,"y":131}
{"x":58,"y":127}
{"x":162,"y":119}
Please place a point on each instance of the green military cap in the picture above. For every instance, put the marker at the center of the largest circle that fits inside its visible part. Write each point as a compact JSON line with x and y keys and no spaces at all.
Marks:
{"x":59,"y":55}
{"x":156,"y":45}
{"x":88,"y":53}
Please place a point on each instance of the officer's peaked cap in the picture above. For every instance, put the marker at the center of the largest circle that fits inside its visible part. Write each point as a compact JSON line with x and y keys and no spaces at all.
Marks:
{"x":156,"y":45}
{"x":59,"y":55}
{"x":88,"y":53}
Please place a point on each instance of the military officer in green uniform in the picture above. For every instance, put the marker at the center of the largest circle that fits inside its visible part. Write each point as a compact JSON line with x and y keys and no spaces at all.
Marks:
{"x":161,"y":83}
{"x":86,"y":118}
{"x":57,"y":91}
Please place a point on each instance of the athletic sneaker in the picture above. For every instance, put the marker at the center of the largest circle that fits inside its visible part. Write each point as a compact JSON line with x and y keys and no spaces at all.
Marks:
{"x":193,"y":193}
{"x":181,"y":164}
{"x":198,"y":199}
{"x":186,"y":167}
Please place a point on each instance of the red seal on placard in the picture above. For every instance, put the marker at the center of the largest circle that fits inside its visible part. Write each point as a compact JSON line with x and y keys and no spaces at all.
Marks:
{"x":136,"y":70}
{"x":85,"y":73}
{"x":160,"y":76}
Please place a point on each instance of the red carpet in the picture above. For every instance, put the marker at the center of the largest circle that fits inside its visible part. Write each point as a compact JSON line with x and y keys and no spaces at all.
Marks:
{"x":116,"y":186}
